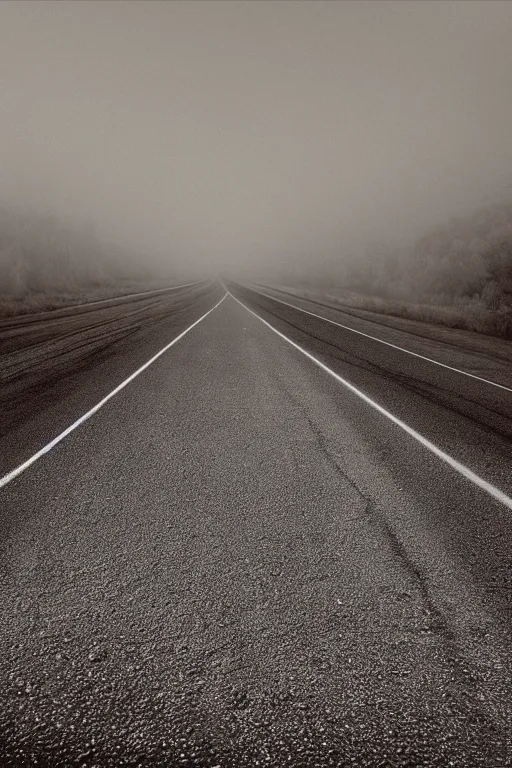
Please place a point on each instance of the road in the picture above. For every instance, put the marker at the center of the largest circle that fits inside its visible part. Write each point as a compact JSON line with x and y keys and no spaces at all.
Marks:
{"x":57,"y":364}
{"x":239,"y":561}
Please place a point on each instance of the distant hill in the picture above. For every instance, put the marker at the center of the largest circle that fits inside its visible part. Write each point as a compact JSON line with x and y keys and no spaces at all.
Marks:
{"x":44,"y":263}
{"x":459,"y":274}
{"x":469,"y":257}
{"x":40,"y":254}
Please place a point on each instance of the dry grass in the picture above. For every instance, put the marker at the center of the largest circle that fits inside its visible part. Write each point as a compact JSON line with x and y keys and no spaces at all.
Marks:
{"x":469,"y":314}
{"x":39,"y":301}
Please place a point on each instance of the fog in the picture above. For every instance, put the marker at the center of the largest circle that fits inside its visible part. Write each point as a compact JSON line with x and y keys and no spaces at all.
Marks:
{"x":231,"y":135}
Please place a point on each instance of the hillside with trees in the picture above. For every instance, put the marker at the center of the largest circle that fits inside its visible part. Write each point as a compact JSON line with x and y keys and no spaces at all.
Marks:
{"x":45,"y":263}
{"x":459,"y":274}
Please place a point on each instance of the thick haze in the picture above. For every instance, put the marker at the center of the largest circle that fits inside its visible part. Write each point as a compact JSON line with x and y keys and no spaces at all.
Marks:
{"x":238,"y":132}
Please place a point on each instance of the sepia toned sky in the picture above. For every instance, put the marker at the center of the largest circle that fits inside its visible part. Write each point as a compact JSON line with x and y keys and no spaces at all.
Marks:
{"x":237,"y":131}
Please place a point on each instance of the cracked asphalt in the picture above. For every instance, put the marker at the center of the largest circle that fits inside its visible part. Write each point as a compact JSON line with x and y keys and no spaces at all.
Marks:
{"x":237,"y":562}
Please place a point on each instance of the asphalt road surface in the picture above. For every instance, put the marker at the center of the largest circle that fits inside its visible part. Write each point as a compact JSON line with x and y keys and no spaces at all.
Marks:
{"x":238,"y":560}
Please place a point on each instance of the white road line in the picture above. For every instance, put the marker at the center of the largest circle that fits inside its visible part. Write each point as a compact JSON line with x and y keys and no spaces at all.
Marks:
{"x":374,"y":338}
{"x":56,"y":440}
{"x":456,"y":465}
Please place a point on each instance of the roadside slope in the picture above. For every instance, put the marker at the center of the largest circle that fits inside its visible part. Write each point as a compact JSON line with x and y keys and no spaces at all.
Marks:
{"x":56,"y":365}
{"x":479,"y":353}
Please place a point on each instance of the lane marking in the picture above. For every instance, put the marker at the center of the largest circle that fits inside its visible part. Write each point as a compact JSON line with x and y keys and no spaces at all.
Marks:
{"x":374,"y":338}
{"x":453,"y":463}
{"x":56,"y":440}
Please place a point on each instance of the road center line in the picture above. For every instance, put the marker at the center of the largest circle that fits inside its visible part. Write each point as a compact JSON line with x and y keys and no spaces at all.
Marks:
{"x":456,"y":465}
{"x":56,"y":440}
{"x":375,"y":338}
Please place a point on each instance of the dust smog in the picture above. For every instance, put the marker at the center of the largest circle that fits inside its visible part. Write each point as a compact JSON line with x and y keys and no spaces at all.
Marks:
{"x":255,"y":383}
{"x":255,"y":137}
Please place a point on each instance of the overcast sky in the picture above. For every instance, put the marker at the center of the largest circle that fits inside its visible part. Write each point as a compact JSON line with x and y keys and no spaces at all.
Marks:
{"x":233,"y":129}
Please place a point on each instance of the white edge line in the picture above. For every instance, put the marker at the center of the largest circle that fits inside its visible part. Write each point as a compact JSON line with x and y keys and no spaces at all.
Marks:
{"x":456,"y":465}
{"x":374,"y":338}
{"x":48,"y":447}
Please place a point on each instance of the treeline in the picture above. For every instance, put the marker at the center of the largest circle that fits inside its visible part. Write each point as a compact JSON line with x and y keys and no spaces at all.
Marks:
{"x":42,"y":257}
{"x":463,"y":267}
{"x":468,"y":257}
